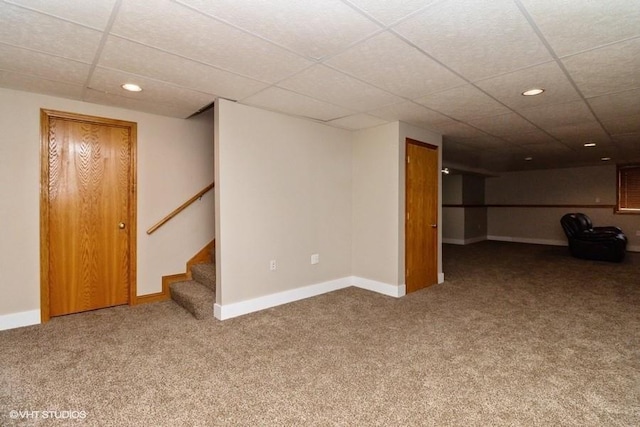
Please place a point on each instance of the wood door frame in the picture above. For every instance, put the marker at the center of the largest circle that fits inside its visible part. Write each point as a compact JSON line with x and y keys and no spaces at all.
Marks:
{"x":45,"y":115}
{"x":409,"y":141}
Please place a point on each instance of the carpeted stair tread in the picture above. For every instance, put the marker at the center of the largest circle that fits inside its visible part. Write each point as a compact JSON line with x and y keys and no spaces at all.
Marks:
{"x":205,"y":274}
{"x":196,"y":298}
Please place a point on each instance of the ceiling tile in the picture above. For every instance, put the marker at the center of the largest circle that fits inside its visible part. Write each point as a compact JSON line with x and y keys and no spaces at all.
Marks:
{"x":547,"y":149}
{"x":553,"y":116}
{"x":25,"y":82}
{"x":389,"y":12}
{"x":527,"y":138}
{"x":628,"y":147}
{"x":455,"y":152}
{"x":389,"y":63}
{"x":145,"y":61}
{"x":484,"y":142}
{"x":94,"y":13}
{"x":357,"y":121}
{"x":455,"y":129}
{"x":463,"y":103}
{"x":578,"y":25}
{"x":329,"y":85}
{"x":503,"y":124}
{"x":622,"y":125}
{"x":617,"y":104}
{"x":580,"y":133}
{"x":477,"y":39}
{"x":33,"y":30}
{"x":154,"y":91}
{"x":98,"y":97}
{"x":410,"y":112}
{"x":204,"y":39}
{"x":42,"y":65}
{"x":314,"y":29}
{"x":295,"y":104}
{"x":613,"y":68}
{"x":508,"y":88}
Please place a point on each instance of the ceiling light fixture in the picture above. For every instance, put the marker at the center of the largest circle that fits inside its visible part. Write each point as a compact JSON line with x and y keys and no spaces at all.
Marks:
{"x":131,"y":87}
{"x":605,"y":159}
{"x":533,"y":92}
{"x":589,"y":144}
{"x":528,"y":159}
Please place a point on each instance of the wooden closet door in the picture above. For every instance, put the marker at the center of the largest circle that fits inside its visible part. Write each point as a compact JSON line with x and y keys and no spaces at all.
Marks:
{"x":88,"y":212}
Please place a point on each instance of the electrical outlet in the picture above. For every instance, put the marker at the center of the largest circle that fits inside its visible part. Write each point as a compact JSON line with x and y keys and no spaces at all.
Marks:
{"x":638,"y":233}
{"x":315,"y":258}
{"x":272,"y":265}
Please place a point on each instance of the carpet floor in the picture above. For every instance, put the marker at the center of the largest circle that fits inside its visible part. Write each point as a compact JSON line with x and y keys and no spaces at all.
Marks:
{"x":517,"y":335}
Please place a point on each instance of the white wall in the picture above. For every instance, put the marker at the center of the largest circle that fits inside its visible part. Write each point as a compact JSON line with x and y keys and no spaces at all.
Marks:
{"x":572,"y":186}
{"x":283,"y":192}
{"x":175,"y":160}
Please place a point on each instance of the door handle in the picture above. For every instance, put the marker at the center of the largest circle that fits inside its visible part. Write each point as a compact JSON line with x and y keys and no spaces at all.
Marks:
{"x":121,"y":226}
{"x":434,"y":225}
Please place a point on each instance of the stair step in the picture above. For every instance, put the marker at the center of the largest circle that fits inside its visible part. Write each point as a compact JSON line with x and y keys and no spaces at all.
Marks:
{"x":194,"y":297}
{"x":205,"y":274}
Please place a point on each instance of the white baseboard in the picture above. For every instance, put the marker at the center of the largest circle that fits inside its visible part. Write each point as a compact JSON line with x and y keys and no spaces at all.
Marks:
{"x":453,"y":241}
{"x":630,"y":248}
{"x":475,"y":240}
{"x":440,"y":277}
{"x":551,"y":242}
{"x":18,"y":320}
{"x":464,"y":241}
{"x":228,"y":311}
{"x":379,"y":287}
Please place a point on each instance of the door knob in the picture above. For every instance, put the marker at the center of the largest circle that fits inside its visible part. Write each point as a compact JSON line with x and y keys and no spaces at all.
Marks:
{"x":121,"y":226}
{"x":434,"y":225}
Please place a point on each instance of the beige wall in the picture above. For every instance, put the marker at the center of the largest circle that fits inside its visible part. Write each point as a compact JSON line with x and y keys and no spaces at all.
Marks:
{"x":175,"y":160}
{"x":375,"y":204}
{"x":283,"y":192}
{"x":451,"y":189}
{"x":462,"y":225}
{"x":571,"y":186}
{"x":379,"y":200}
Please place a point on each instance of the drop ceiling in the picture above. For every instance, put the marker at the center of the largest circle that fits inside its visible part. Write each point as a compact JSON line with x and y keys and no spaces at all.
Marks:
{"x":456,"y":67}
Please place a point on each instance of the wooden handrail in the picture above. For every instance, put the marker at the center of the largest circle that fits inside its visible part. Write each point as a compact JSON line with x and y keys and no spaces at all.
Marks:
{"x":180,"y":208}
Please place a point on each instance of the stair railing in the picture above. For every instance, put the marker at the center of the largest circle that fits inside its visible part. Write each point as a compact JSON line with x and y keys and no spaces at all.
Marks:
{"x":180,"y":208}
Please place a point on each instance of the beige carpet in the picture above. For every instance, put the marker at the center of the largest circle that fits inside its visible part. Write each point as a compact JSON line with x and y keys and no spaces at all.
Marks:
{"x":518,"y":335}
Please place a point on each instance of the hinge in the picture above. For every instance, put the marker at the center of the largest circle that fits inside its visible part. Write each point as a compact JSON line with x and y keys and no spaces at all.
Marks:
{"x":408,"y":159}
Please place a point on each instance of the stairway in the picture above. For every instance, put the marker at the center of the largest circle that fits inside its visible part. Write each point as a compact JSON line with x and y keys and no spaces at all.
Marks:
{"x":198,"y":295}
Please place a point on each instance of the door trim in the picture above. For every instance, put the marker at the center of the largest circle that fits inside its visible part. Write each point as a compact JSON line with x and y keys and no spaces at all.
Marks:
{"x":45,"y":115}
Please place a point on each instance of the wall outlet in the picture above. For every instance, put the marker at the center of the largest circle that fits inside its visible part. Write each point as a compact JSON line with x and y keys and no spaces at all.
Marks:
{"x":315,"y":258}
{"x":272,"y":265}
{"x":638,"y":233}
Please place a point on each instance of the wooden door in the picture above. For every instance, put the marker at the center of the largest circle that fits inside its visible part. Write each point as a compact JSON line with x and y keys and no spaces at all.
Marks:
{"x":87,"y":213}
{"x":421,"y":232}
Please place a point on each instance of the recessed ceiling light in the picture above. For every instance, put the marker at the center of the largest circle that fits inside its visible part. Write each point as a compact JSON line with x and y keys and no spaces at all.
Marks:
{"x":131,"y":87}
{"x":589,"y":144}
{"x":533,"y":92}
{"x":528,"y":159}
{"x":605,"y":159}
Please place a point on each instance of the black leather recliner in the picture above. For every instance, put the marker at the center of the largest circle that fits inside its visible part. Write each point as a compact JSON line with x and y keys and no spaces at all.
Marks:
{"x":589,"y":242}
